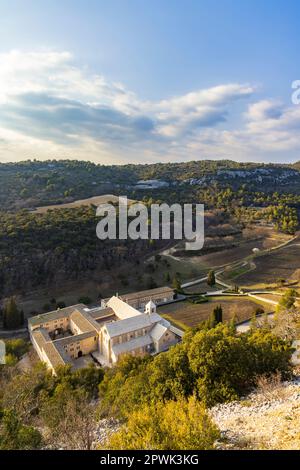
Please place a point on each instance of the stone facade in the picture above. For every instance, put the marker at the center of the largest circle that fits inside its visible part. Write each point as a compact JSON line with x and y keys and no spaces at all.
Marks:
{"x":105,"y":333}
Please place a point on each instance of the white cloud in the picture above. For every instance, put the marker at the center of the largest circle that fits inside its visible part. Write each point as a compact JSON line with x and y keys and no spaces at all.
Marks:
{"x":50,"y":107}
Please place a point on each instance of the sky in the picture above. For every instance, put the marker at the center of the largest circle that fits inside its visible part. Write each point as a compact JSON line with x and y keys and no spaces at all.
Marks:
{"x":118,"y":81}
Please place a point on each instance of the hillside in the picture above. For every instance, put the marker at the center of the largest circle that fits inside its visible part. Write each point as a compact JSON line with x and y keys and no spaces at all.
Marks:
{"x":30,"y":184}
{"x":268,"y":418}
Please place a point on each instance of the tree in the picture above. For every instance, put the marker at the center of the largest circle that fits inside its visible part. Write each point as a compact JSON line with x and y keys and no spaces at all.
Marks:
{"x":88,"y":378}
{"x":232,"y":324}
{"x":170,"y":375}
{"x":288,"y":299}
{"x":60,"y":304}
{"x":280,"y":282}
{"x":12,"y":317}
{"x":217,"y":316}
{"x":287,"y":324}
{"x":174,"y":425}
{"x":14,"y":435}
{"x":259,"y":311}
{"x":226,"y":365}
{"x":176,"y":284}
{"x":211,"y":279}
{"x":21,"y":393}
{"x":124,"y":386}
{"x":70,"y":416}
{"x":151,"y":284}
{"x":17,"y":347}
{"x":85,"y":300}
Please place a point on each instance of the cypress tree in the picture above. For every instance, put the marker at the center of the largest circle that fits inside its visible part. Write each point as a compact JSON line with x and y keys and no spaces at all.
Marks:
{"x":12,"y":317}
{"x":211,"y":279}
{"x":216,"y":316}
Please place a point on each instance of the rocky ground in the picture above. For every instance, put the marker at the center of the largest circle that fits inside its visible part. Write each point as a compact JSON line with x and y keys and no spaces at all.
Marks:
{"x":103,"y":429}
{"x":266,"y":419}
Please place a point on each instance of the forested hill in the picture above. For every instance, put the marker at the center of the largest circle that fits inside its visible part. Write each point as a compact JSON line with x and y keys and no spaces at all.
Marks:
{"x":30,"y":184}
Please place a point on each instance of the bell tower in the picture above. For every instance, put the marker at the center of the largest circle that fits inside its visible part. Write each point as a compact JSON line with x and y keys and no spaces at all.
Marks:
{"x":150,"y":307}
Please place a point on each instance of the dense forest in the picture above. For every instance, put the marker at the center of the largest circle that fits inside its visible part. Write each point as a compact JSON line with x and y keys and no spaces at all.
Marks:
{"x":45,"y":249}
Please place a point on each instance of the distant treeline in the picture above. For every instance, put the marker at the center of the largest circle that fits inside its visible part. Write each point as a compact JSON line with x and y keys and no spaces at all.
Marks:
{"x":34,"y":183}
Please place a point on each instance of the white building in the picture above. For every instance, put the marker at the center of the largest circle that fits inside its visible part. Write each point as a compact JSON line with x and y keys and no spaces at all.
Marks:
{"x":62,"y":336}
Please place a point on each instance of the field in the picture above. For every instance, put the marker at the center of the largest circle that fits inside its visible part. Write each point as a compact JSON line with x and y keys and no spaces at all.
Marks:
{"x":279,"y":264}
{"x":96,"y":200}
{"x":272,"y":297}
{"x":202,"y":288}
{"x":243,"y":250}
{"x":190,"y":315}
{"x":259,"y":237}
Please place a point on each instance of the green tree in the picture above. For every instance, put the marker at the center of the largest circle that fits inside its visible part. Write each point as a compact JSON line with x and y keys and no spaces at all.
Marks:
{"x":226,"y":365}
{"x":176,"y":284}
{"x":17,"y":347}
{"x":288,"y":299}
{"x":14,"y":435}
{"x":123,"y":386}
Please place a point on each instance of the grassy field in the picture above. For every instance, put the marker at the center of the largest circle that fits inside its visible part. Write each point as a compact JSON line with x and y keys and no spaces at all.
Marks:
{"x":95,"y":200}
{"x":190,"y":315}
{"x":273,"y":297}
{"x":202,"y":288}
{"x":236,"y":272}
{"x":187,"y":270}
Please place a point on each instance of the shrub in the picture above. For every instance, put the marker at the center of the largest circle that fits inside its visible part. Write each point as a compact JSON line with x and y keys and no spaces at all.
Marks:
{"x":182,"y":425}
{"x":14,"y":435}
{"x":226,"y":365}
{"x":16,"y":347}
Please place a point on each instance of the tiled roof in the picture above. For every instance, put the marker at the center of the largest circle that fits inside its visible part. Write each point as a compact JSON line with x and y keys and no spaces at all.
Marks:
{"x":158,"y":331}
{"x":145,"y":293}
{"x":55,"y":314}
{"x":131,"y":324}
{"x":135,"y":343}
{"x":55,"y":355}
{"x":101,"y":313}
{"x":82,"y":321}
{"x":41,"y":336}
{"x":121,"y":309}
{"x":73,"y":338}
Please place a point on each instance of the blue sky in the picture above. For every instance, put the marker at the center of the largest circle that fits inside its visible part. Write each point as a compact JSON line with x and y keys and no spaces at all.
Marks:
{"x":134,"y":81}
